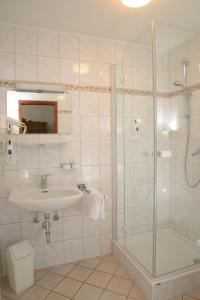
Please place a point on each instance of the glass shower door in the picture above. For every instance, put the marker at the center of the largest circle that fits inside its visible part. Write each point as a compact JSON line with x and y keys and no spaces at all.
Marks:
{"x":178,"y":141}
{"x":135,"y":148}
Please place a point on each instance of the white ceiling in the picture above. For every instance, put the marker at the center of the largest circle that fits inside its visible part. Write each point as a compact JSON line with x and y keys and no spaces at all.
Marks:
{"x":103,"y":18}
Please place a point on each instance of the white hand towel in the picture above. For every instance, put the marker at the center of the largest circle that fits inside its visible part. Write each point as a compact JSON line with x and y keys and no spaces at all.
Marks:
{"x":97,"y":210}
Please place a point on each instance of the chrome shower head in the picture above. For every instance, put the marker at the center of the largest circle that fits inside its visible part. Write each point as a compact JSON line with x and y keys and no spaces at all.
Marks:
{"x":178,"y":83}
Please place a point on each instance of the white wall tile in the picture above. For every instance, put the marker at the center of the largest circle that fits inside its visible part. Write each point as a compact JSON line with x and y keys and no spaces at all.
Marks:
{"x":90,"y":226}
{"x":25,"y":40}
{"x":68,"y":45}
{"x":73,"y":250}
{"x":75,"y":135}
{"x":48,"y":69}
{"x":50,"y":157}
{"x":72,"y":176}
{"x":9,"y":213}
{"x":7,"y":66}
{"x":90,"y":175}
{"x":38,"y":256}
{"x":105,"y":181}
{"x":57,"y":53}
{"x":29,"y":177}
{"x":106,"y":51}
{"x":3,"y":97}
{"x":105,"y":128}
{"x":89,"y":128}
{"x":9,"y":234}
{"x":105,"y":152}
{"x":7,"y":182}
{"x":26,"y":67}
{"x":57,"y":230}
{"x":88,"y":73}
{"x":89,"y":153}
{"x":88,"y":48}
{"x":32,"y":232}
{"x":6,"y":38}
{"x":69,"y":71}
{"x":73,"y":210}
{"x":28,"y":157}
{"x":104,"y":75}
{"x":54,"y":254}
{"x":47,"y":43}
{"x":104,"y":105}
{"x":106,"y":224}
{"x":72,"y":227}
{"x":142,"y":56}
{"x":91,"y":247}
{"x":106,"y":243}
{"x":88,"y":104}
{"x":70,"y":152}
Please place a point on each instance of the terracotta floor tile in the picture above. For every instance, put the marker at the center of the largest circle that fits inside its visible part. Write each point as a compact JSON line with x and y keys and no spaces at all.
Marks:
{"x":55,"y":296}
{"x":62,"y":269}
{"x":9,"y":293}
{"x":136,"y":293}
{"x":122,"y":273}
{"x":99,"y":279}
{"x":35,"y":292}
{"x":80,"y":273}
{"x":68,"y":287}
{"x":110,"y":257}
{"x":91,"y":262}
{"x":108,"y":267}
{"x":39,"y":273}
{"x":88,"y":292}
{"x":107,"y":295}
{"x":120,"y":285}
{"x":49,"y":281}
{"x":194,"y":293}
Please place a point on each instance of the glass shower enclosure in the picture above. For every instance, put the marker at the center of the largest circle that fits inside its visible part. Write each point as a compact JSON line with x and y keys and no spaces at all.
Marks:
{"x":157,"y":134}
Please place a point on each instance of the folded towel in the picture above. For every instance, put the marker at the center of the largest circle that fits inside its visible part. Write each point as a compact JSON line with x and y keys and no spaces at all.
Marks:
{"x":97,"y":205}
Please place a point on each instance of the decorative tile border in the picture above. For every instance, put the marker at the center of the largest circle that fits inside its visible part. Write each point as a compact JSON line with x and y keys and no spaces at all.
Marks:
{"x":67,"y":87}
{"x":100,"y":89}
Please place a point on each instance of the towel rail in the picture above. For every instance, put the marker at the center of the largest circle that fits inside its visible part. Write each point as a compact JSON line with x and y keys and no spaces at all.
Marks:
{"x":82,"y":187}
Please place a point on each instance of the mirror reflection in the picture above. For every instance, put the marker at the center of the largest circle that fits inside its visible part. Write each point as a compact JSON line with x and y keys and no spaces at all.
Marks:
{"x":38,"y":113}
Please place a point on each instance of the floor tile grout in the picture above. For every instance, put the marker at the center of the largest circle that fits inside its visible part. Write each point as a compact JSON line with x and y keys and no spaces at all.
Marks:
{"x":93,"y":269}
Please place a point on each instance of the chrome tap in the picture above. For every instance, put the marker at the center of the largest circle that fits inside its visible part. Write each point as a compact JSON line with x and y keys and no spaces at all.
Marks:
{"x":43,"y":182}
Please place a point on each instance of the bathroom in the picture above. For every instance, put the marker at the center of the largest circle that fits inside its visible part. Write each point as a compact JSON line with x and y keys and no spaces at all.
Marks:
{"x":100,"y":180}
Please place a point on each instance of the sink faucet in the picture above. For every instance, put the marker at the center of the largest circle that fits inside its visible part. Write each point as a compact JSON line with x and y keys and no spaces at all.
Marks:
{"x":43,"y":182}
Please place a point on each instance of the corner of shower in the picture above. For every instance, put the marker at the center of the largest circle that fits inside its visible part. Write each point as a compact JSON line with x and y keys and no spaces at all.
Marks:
{"x":152,"y":219}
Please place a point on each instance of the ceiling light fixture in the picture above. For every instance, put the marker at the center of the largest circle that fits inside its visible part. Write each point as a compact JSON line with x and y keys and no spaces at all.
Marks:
{"x":135,"y":3}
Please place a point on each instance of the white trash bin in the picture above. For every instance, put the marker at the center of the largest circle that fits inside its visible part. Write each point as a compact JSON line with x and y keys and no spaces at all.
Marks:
{"x":19,"y":259}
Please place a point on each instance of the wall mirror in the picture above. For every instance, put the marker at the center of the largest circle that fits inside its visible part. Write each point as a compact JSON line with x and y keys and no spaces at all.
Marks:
{"x":39,"y":112}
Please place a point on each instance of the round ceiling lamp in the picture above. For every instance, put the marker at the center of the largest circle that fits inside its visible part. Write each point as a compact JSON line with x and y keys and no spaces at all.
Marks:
{"x":135,"y":3}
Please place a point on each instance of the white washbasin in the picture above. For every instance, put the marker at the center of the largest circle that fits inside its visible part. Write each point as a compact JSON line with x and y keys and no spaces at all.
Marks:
{"x":56,"y":197}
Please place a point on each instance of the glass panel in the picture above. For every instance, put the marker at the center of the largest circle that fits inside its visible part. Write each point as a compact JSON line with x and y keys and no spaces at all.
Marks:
{"x":120,"y":150}
{"x":178,"y":143}
{"x":135,"y":163}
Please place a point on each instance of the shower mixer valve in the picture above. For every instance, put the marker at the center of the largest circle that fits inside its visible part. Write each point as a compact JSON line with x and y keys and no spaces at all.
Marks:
{"x":136,"y":126}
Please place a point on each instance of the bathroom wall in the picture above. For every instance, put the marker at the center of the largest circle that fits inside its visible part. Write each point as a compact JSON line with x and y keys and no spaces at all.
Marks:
{"x":135,"y":149}
{"x":184,"y":203}
{"x":37,"y":55}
